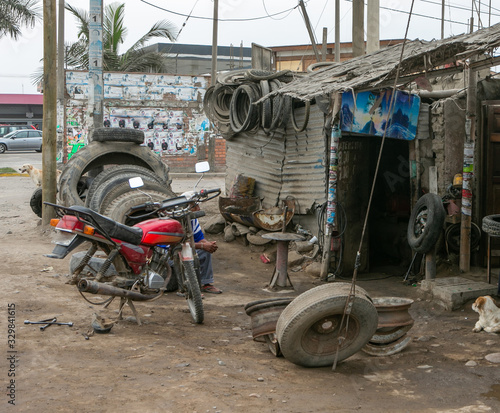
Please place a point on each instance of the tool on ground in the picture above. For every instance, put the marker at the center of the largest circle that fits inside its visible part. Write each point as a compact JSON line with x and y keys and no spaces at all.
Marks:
{"x":48,"y":324}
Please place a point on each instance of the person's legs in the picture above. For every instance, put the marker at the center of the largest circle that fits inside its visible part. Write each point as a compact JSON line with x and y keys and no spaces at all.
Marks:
{"x":206,"y":272}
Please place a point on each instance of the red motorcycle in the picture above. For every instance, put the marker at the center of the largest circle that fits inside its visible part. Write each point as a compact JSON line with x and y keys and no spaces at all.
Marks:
{"x":141,"y":254}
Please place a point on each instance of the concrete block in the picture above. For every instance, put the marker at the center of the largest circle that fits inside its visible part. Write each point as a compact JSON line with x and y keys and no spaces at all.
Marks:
{"x":453,"y":292}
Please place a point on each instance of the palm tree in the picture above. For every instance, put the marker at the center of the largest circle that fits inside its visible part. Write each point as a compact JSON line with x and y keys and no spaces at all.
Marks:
{"x":17,"y":13}
{"x":135,"y":59}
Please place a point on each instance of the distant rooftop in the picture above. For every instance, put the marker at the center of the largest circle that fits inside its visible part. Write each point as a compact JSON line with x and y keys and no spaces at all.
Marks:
{"x":11,"y":99}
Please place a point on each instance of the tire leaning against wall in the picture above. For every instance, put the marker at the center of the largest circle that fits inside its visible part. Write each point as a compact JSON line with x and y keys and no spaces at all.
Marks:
{"x":118,"y":135}
{"x":97,"y":154}
{"x":113,"y":171}
{"x":491,"y":225}
{"x":36,"y":202}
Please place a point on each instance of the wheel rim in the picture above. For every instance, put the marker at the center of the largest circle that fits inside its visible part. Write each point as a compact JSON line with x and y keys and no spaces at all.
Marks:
{"x":322,"y":337}
{"x":420,"y":222}
{"x":2,"y":148}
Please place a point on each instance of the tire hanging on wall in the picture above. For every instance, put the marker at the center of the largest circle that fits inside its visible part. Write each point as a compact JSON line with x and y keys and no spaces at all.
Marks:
{"x":426,"y":223}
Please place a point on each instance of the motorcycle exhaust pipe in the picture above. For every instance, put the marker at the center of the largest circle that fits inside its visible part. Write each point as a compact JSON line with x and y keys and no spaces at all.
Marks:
{"x":94,"y":287}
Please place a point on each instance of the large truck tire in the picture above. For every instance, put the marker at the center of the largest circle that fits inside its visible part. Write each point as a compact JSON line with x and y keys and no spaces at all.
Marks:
{"x":118,"y":135}
{"x":98,"y":154}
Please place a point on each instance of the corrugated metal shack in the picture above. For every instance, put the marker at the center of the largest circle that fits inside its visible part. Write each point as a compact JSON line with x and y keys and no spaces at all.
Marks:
{"x":261,"y":116}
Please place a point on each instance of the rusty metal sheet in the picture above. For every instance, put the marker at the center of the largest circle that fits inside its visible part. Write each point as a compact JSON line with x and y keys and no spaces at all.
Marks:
{"x":283,"y":164}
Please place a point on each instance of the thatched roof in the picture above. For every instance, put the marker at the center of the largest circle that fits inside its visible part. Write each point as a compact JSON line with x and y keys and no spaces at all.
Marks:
{"x":373,"y":70}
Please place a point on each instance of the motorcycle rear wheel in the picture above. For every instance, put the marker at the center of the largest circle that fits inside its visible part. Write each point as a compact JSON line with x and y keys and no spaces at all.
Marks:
{"x":190,"y":286}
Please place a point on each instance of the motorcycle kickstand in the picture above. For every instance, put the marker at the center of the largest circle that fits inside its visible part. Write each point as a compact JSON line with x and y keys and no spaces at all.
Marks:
{"x":123,"y":301}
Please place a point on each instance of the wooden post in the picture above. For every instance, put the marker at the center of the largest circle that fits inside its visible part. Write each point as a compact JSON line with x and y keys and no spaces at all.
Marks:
{"x":214,"y":42}
{"x":309,"y":29}
{"x":468,"y":172}
{"x":61,"y":103}
{"x":49,"y":109}
{"x":331,"y":202}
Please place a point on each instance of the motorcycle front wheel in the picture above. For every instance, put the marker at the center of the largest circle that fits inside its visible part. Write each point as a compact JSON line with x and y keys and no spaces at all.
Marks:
{"x":189,"y":285}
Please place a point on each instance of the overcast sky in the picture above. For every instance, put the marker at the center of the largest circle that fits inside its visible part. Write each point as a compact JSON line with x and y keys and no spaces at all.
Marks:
{"x":258,"y":21}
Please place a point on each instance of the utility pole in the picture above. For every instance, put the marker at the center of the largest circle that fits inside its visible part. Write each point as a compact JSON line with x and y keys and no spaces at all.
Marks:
{"x":214,"y":41}
{"x":468,"y":170}
{"x":49,"y":109}
{"x":325,"y":42}
{"x":358,"y":32}
{"x":61,"y":102}
{"x":96,"y":83}
{"x":442,"y":19}
{"x":337,"y":31}
{"x":373,"y":26}
{"x":309,"y":30}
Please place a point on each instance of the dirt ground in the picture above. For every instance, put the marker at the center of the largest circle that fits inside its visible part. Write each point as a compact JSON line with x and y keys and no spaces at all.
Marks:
{"x":169,"y":364}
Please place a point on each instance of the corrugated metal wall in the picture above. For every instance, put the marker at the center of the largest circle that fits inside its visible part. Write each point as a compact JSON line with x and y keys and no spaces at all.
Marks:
{"x":283,"y":165}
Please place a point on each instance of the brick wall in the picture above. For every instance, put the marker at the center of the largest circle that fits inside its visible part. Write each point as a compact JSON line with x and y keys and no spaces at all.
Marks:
{"x":185,"y":163}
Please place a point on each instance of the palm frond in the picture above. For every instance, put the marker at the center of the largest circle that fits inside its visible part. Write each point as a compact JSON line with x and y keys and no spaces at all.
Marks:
{"x":83,"y":17}
{"x":162,"y":28}
{"x":113,"y":28}
{"x":17,"y":13}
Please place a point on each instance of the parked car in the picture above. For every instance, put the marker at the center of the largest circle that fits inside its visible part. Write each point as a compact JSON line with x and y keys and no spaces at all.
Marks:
{"x":22,"y":140}
{"x":5,"y":129}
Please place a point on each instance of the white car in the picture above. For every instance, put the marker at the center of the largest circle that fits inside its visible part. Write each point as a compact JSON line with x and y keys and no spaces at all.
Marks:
{"x":22,"y":140}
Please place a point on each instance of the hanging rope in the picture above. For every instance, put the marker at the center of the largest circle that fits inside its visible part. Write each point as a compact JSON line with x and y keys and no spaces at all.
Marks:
{"x":357,"y":264}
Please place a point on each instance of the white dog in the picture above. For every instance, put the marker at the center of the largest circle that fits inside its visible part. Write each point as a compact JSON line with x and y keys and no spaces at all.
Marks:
{"x":35,"y":173}
{"x":489,"y":315}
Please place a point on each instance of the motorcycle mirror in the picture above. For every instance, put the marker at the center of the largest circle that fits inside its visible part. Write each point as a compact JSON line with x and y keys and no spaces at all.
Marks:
{"x":135,"y":182}
{"x":201,"y":167}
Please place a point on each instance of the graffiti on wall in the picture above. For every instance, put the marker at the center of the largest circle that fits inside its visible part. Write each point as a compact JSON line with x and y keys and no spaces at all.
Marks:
{"x":154,"y":103}
{"x":136,"y":86}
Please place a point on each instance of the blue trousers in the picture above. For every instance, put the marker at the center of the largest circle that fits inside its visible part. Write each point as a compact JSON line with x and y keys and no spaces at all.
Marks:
{"x":206,"y":271}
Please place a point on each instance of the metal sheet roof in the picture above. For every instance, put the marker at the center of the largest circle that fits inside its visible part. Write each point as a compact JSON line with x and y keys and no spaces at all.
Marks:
{"x":372,"y":70}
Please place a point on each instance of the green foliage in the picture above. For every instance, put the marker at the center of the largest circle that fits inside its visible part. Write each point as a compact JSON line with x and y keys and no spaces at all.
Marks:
{"x":14,"y":14}
{"x":135,"y":59}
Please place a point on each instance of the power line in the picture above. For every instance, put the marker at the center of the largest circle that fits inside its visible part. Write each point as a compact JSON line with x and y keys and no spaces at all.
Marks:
{"x":461,"y":7}
{"x":419,"y":15}
{"x":221,"y":20}
{"x":271,"y":16}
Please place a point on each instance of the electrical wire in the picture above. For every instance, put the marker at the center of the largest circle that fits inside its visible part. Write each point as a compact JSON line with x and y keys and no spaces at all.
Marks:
{"x":450,"y":6}
{"x":271,"y":16}
{"x":419,"y":15}
{"x":221,"y":20}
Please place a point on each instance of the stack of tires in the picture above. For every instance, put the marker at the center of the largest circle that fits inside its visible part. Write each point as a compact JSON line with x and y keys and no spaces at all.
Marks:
{"x":97,"y":175}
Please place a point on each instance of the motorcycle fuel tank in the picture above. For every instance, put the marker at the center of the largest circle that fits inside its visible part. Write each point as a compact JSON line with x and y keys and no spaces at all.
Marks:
{"x":161,"y":231}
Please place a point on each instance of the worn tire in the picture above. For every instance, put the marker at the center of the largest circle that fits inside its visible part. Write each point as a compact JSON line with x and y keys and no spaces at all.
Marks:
{"x":426,"y":223}
{"x":96,"y":155}
{"x":491,"y":225}
{"x":123,"y":188}
{"x":111,"y":172}
{"x":119,"y":208}
{"x":308,"y":328}
{"x":118,"y":135}
{"x":36,"y":202}
{"x":104,"y":190}
{"x":192,"y":291}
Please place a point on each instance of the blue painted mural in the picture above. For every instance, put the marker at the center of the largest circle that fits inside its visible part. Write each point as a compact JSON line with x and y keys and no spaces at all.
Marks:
{"x":367,"y":113}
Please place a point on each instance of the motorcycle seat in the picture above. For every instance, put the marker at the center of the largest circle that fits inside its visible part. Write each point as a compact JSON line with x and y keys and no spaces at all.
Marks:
{"x":113,"y":229}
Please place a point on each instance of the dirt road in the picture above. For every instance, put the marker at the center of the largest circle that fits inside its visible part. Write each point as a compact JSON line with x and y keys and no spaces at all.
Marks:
{"x":171,"y":365}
